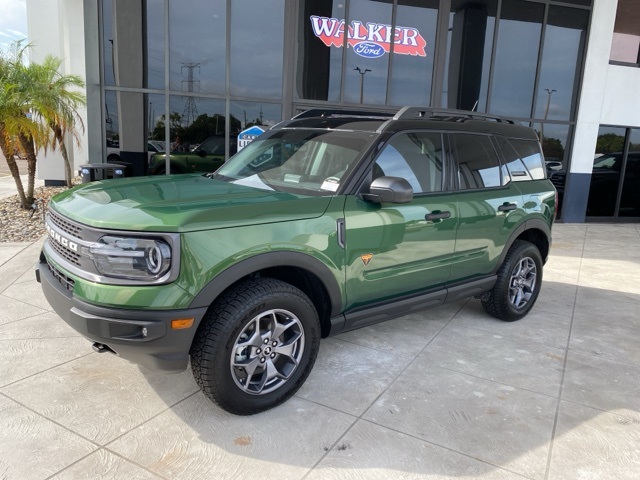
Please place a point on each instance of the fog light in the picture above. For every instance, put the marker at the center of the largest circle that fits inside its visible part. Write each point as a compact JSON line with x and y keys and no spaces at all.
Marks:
{"x":145,"y":332}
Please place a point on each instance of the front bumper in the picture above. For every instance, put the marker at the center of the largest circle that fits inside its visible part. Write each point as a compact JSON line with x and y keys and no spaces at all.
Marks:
{"x":144,"y":337}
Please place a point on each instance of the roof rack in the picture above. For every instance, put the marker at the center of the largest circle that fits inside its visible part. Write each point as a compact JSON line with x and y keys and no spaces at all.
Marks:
{"x":326,"y":112}
{"x":446,"y":114}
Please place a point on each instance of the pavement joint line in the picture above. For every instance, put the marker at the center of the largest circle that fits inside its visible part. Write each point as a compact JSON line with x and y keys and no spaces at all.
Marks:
{"x":128,"y":460}
{"x":564,"y":365}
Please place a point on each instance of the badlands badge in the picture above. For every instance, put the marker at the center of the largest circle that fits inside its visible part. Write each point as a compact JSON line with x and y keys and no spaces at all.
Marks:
{"x":366,"y":258}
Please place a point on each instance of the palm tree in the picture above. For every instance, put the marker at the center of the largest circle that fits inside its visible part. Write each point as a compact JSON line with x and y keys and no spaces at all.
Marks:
{"x":55,"y":99}
{"x":17,"y":130}
{"x":38,"y":108}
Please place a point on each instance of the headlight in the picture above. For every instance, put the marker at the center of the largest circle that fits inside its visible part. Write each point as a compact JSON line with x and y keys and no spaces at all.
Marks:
{"x":131,"y":258}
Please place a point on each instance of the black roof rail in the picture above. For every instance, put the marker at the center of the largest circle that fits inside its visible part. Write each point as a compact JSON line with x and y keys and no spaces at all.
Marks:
{"x":446,"y":114}
{"x":327,"y":112}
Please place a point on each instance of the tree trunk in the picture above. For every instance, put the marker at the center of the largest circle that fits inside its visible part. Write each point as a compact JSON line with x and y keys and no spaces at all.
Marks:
{"x":26,"y":141}
{"x":65,"y":155}
{"x":13,"y":168}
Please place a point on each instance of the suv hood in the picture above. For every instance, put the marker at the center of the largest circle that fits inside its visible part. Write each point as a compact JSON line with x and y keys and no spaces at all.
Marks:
{"x":181,"y":203}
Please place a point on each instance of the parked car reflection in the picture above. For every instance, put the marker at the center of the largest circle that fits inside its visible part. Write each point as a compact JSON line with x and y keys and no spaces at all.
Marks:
{"x":205,"y":157}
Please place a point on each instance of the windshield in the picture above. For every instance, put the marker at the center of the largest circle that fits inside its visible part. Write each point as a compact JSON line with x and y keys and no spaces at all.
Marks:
{"x":299,"y":161}
{"x":608,"y":162}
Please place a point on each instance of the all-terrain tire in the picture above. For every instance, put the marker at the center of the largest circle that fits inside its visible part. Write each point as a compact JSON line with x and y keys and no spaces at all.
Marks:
{"x":255,"y":346}
{"x":518,"y":285}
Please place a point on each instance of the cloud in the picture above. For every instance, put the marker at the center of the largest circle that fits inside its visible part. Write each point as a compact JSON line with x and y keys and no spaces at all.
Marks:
{"x":13,"y":19}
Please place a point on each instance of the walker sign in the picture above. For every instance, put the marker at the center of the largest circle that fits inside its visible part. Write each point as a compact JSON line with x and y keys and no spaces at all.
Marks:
{"x":248,"y":134}
{"x":371,"y":40}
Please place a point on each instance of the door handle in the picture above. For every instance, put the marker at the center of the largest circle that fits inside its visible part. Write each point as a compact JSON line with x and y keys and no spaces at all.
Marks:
{"x":507,"y":207}
{"x":437,"y":215}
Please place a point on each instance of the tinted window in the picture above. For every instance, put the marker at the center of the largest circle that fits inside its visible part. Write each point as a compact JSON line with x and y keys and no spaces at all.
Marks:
{"x":515,"y":167}
{"x":516,"y":57}
{"x":626,"y":33}
{"x":478,"y":166}
{"x":416,"y":157}
{"x":529,"y":152}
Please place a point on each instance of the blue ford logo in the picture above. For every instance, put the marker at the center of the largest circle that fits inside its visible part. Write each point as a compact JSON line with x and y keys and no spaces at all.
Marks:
{"x":368,"y":49}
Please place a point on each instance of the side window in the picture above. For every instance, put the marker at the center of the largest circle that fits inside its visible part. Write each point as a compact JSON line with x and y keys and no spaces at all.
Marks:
{"x":478,"y":165}
{"x":516,"y":169}
{"x":416,"y":157}
{"x":531,"y":155}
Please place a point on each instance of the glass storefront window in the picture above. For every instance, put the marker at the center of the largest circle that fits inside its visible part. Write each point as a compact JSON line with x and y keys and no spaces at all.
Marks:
{"x":411,"y":73}
{"x":625,"y":47}
{"x":133,"y":43}
{"x":516,"y":58}
{"x":257,"y":42}
{"x":564,"y":42}
{"x":197,"y":42}
{"x":261,"y":114}
{"x":469,"y":45}
{"x":209,"y":121}
{"x":321,"y":49}
{"x":630,"y":198}
{"x":605,"y":176}
{"x":367,"y":64}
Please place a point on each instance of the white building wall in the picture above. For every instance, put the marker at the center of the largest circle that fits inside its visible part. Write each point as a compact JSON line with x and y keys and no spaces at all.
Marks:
{"x":57,"y":27}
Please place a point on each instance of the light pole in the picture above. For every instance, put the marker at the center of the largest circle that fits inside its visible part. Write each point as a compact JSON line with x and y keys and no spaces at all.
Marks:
{"x":362,"y":74}
{"x":546,"y":111}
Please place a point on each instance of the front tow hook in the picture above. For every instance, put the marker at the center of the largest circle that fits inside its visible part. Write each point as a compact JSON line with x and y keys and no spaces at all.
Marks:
{"x":102,"y":348}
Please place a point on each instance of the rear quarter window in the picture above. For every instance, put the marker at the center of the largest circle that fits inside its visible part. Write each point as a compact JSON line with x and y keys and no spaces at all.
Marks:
{"x":531,"y":155}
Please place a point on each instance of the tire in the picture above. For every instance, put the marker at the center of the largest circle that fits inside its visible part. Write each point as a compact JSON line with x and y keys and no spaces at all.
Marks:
{"x":255,"y":346}
{"x":518,"y":285}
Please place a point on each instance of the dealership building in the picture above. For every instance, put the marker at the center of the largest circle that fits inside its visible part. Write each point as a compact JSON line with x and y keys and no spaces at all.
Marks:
{"x":569,"y":69}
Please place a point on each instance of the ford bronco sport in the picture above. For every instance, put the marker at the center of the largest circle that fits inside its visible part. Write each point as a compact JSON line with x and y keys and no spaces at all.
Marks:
{"x":326,"y":223}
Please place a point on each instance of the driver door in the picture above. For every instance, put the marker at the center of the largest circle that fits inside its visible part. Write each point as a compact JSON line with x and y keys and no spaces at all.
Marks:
{"x":398,"y":249}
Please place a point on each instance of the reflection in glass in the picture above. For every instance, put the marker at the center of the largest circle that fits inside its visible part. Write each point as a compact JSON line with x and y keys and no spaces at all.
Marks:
{"x":249,"y":114}
{"x":257,"y":43}
{"x":411,"y":74}
{"x":197,"y":33}
{"x":561,"y":62}
{"x":319,"y":66}
{"x":625,"y":46}
{"x":630,"y":199}
{"x":605,"y":176}
{"x":469,"y":44}
{"x":516,"y":58}
{"x":366,"y":76}
{"x":133,"y":43}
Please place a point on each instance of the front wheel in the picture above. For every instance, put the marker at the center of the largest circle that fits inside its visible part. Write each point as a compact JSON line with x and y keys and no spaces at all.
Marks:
{"x":256,"y":346}
{"x":518,"y":284}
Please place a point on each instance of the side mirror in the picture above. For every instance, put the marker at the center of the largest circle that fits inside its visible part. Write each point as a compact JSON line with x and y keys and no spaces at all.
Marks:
{"x":389,"y":190}
{"x":201,"y":153}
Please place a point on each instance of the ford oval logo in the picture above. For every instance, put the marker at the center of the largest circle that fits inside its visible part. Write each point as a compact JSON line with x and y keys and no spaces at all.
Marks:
{"x":368,"y":49}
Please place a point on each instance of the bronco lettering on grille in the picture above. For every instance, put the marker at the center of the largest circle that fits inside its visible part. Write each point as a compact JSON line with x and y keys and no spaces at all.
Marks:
{"x":65,"y":242}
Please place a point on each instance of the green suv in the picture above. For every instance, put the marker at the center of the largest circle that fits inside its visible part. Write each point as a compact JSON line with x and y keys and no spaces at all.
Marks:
{"x":326,"y":223}
{"x":206,"y":157}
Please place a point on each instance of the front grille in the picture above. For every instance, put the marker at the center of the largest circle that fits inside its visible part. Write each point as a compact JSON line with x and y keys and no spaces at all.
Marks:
{"x":67,"y":254}
{"x":66,"y":282}
{"x":66,"y":226}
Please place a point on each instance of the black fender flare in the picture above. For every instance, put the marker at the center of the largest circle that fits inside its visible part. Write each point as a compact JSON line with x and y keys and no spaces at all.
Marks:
{"x":268,"y":260}
{"x":532,"y":224}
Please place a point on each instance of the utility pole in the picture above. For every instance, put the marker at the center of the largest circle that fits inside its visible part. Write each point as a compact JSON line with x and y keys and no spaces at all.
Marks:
{"x":362,"y":74}
{"x":546,"y":111}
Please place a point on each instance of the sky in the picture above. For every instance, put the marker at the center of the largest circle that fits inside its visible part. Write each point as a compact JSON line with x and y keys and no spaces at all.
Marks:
{"x":13,"y":21}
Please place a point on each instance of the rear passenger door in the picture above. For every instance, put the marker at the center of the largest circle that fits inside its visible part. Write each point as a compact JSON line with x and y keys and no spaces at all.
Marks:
{"x":488,"y":205}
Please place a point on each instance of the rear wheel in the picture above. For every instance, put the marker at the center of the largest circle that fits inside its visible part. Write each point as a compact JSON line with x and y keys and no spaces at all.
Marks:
{"x":518,"y":284}
{"x":256,"y":346}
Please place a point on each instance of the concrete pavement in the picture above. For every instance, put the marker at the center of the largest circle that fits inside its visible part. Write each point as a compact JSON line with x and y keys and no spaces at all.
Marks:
{"x":447,"y":393}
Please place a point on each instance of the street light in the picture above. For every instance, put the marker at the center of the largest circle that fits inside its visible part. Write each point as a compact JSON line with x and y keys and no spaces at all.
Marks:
{"x":362,"y":74}
{"x":546,"y":112}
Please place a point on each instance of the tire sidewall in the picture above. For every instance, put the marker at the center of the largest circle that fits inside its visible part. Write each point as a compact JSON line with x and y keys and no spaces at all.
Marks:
{"x":220,"y":362}
{"x":522,"y":251}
